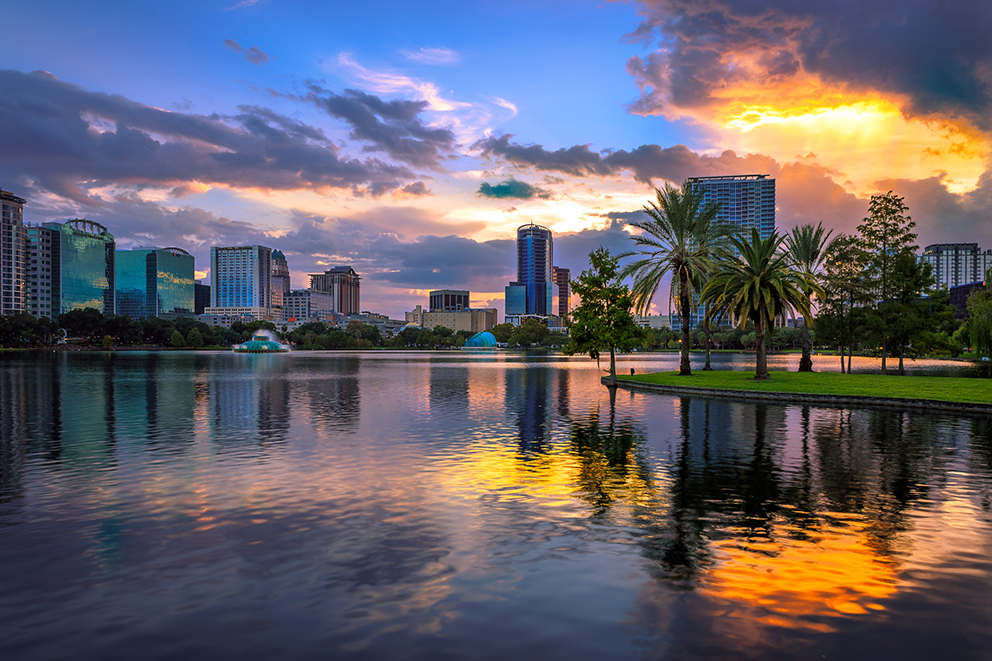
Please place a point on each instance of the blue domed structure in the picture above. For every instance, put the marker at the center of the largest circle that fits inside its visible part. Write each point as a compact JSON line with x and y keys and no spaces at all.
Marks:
{"x":261,"y":344}
{"x":483,"y":340}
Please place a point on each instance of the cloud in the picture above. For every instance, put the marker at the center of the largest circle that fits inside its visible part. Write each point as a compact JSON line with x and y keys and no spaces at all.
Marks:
{"x":253,"y":55}
{"x":467,"y":121}
{"x":242,"y":5}
{"x":938,"y":60}
{"x":393,"y":127}
{"x":61,"y":138}
{"x":415,"y":189}
{"x":432,"y":56}
{"x":512,"y":189}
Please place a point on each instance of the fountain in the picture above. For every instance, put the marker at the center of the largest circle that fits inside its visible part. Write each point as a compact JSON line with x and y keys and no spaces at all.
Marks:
{"x":262,"y":342}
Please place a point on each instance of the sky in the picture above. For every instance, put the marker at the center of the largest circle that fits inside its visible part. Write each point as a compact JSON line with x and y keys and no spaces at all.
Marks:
{"x":410,"y":139}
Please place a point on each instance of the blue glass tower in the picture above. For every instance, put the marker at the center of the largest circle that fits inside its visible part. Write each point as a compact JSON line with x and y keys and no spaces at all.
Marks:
{"x":534,"y":291}
{"x":83,"y":266}
{"x":155,"y":282}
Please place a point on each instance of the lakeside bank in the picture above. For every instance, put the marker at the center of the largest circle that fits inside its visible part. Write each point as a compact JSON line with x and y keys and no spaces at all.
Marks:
{"x":928,"y":393}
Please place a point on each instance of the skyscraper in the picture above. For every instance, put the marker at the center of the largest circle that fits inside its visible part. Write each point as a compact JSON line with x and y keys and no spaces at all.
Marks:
{"x":43,"y":274}
{"x":82,"y":254}
{"x":562,"y":278}
{"x":957,"y":263}
{"x":13,"y":254}
{"x":280,"y":279}
{"x":241,"y":280}
{"x":746,"y":200}
{"x":343,"y":284}
{"x":154,"y":282}
{"x":534,"y":290}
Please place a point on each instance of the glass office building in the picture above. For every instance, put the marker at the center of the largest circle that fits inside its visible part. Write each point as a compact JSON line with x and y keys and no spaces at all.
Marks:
{"x":85,"y":260}
{"x":155,"y":282}
{"x":534,"y":292}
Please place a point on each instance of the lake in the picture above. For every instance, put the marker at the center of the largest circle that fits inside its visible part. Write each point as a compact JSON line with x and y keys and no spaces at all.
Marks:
{"x":408,"y":505}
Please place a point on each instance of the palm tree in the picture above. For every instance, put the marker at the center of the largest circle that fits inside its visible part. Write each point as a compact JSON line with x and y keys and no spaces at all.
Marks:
{"x":807,"y":245}
{"x":681,"y":238}
{"x":759,"y":285}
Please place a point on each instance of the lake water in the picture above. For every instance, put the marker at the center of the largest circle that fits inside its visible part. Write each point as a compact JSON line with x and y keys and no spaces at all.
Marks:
{"x":485,"y":506}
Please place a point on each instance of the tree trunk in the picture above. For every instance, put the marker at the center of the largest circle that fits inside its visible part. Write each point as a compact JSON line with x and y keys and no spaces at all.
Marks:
{"x":613,"y":367}
{"x":902,"y":369}
{"x":841,"y":347}
{"x":884,"y":338}
{"x":850,"y":350}
{"x":706,"y":334}
{"x":806,"y":362}
{"x":684,"y":308}
{"x":761,"y":360}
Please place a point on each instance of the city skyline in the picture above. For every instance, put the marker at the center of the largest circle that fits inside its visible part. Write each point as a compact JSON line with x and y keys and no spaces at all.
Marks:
{"x":412,"y":144}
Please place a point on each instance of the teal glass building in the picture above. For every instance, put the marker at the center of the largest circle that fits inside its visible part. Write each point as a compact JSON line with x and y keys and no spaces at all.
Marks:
{"x":534,"y":292}
{"x":155,"y":282}
{"x":85,"y":264}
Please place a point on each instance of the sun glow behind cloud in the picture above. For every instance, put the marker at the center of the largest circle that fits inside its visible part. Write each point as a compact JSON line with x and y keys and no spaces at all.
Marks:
{"x":863,"y":141}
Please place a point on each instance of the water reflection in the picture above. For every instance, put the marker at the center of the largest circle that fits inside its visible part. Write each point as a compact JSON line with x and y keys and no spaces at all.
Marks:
{"x":441,"y":506}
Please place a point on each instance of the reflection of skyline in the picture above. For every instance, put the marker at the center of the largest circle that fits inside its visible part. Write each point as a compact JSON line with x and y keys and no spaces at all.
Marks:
{"x":333,"y":400}
{"x":528,"y":398}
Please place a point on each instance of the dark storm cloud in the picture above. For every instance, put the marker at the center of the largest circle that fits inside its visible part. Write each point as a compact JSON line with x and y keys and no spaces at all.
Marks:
{"x":255,"y":55}
{"x":393,"y":127}
{"x":647,"y":162}
{"x":935,"y":54}
{"x":61,"y":138}
{"x":511,"y":189}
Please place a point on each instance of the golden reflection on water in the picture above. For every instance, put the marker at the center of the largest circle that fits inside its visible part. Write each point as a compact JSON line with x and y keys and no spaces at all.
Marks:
{"x":794,"y":584}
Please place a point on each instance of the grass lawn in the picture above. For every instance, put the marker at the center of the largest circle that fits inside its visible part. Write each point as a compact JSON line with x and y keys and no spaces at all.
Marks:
{"x":940,"y":388}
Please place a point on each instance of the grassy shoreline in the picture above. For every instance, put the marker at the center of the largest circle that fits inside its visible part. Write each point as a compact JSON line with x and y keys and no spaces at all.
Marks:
{"x":941,"y":389}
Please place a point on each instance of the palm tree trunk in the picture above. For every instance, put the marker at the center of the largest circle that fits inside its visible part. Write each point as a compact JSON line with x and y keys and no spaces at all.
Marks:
{"x":613,"y":367}
{"x":706,"y":335}
{"x":684,"y":308}
{"x":761,"y":360}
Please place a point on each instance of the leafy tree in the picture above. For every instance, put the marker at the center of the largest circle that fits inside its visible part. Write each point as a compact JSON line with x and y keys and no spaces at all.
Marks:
{"x":980,"y":322}
{"x":841,"y":318}
{"x":681,"y":238}
{"x":528,"y":334}
{"x":86,"y":323}
{"x":602,"y":321}
{"x":885,"y":235}
{"x":759,"y":285}
{"x":502,"y":332}
{"x":194,"y":339}
{"x":807,"y":246}
{"x":177,"y":340}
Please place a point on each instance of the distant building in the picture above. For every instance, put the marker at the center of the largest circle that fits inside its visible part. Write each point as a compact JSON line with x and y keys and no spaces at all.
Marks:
{"x":343,"y":284}
{"x":746,"y":200}
{"x":448,"y":299}
{"x":13,"y":255}
{"x":471,"y":320}
{"x":960,"y":294}
{"x":241,"y":281}
{"x":534,"y":291}
{"x":562,"y":279}
{"x":280,"y":278}
{"x":42,"y":275}
{"x":385,"y":325}
{"x":201,"y":297}
{"x":308,"y":304}
{"x":154,"y":282}
{"x":956,"y":264}
{"x":654,"y":321}
{"x":82,"y":255}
